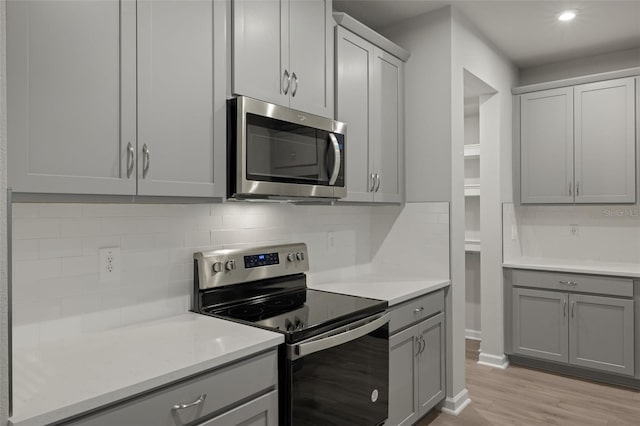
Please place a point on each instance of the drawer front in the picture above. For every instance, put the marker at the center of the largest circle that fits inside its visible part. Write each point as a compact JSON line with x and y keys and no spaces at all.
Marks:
{"x":415,"y":310}
{"x":622,"y":287}
{"x":220,"y":389}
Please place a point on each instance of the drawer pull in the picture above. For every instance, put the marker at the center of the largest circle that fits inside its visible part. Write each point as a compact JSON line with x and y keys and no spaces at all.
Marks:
{"x":198,"y":401}
{"x":571,"y":283}
{"x":418,"y":310}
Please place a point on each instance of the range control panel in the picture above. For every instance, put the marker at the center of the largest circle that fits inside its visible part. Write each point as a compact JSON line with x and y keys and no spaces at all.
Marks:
{"x":234,"y":266}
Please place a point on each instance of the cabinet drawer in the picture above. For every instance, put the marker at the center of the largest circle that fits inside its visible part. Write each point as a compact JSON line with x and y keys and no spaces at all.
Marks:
{"x":573,"y":282}
{"x":221,"y":388}
{"x":416,"y":310}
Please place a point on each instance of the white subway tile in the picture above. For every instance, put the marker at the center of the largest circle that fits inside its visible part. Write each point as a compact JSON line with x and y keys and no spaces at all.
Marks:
{"x":133,"y":225}
{"x":60,"y":247}
{"x":92,"y":245}
{"x":25,"y":271}
{"x":80,"y":227}
{"x":36,"y":228}
{"x":138,"y":242}
{"x":78,"y":305}
{"x":196,"y":239}
{"x":25,"y":250}
{"x":25,"y":210}
{"x":60,"y":210}
{"x":80,"y":265}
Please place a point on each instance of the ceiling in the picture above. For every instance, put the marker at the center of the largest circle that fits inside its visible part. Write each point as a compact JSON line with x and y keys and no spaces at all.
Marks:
{"x":526,"y":31}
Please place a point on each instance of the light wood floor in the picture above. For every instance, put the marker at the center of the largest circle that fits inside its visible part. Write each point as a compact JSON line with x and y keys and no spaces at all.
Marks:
{"x":523,"y":396}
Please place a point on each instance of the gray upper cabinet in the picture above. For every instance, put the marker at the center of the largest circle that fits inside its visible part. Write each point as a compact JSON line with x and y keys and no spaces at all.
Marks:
{"x":601,"y":334}
{"x":605,"y":142}
{"x":578,"y":144}
{"x":283,"y":53}
{"x":181,"y":107}
{"x":369,"y":98}
{"x":540,"y":324}
{"x":71,"y":96}
{"x":117,"y":97}
{"x":546,"y":162}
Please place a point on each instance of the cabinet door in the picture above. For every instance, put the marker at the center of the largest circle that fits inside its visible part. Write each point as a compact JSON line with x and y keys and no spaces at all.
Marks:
{"x":540,"y":324}
{"x":354,"y":58}
{"x":311,"y":56}
{"x":71,"y":96}
{"x":601,"y":334}
{"x":262,"y":411}
{"x":180,"y":112}
{"x":546,"y":155}
{"x":403,"y":377}
{"x":386,"y":137}
{"x":260,"y":49}
{"x":605,"y":142}
{"x":431,"y":366}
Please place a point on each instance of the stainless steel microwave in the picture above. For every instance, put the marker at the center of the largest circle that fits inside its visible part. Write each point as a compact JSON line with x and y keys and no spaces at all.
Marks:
{"x":276,"y":152}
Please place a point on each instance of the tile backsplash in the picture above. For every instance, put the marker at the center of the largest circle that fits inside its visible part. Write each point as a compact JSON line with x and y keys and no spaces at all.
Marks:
{"x":56,"y":286}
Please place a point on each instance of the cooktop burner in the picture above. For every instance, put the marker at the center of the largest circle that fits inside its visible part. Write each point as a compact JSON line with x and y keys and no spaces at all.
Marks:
{"x":273,"y":296}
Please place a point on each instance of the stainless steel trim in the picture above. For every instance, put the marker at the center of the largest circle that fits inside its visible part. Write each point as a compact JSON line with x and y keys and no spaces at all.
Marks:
{"x":245,"y":188}
{"x":10,"y":297}
{"x":198,"y":401}
{"x":564,"y":308}
{"x":294,"y":90}
{"x":570,"y":188}
{"x":321,"y":343}
{"x":131,"y":161}
{"x":571,"y":283}
{"x":378,"y":184}
{"x":286,"y":77}
{"x":336,"y":159}
{"x":373,"y":182}
{"x":146,"y":160}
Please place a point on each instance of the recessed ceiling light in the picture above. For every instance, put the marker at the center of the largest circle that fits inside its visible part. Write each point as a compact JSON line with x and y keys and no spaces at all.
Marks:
{"x":567,"y":15}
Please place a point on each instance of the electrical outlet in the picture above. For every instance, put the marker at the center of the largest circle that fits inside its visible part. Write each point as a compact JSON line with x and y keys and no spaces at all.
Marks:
{"x":573,"y":230}
{"x":109,"y":264}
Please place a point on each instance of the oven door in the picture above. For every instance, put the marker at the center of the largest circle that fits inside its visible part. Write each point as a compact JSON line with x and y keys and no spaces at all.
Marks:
{"x":287,"y":153}
{"x":341,"y":377}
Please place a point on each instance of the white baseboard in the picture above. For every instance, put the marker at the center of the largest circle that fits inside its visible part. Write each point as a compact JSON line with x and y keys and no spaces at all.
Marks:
{"x":472,"y":334}
{"x":454,"y":406}
{"x":496,"y":361}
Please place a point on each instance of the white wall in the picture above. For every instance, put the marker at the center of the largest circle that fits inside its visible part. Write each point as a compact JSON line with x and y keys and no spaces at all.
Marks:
{"x":56,"y":288}
{"x":473,"y":298}
{"x":4,"y":355}
{"x":583,"y":66}
{"x":605,"y":233}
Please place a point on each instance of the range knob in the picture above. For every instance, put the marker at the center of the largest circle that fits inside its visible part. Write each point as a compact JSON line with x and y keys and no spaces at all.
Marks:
{"x":300,"y":255}
{"x":230,"y":265}
{"x":217,"y":267}
{"x":291,"y":257}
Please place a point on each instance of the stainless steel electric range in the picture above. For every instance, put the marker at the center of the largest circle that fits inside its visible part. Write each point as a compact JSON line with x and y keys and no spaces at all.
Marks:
{"x":334,"y":365}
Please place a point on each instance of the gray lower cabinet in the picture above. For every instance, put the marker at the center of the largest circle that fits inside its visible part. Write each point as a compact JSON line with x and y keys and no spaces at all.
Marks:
{"x":585,"y":330}
{"x":243,"y":393}
{"x":416,"y":368}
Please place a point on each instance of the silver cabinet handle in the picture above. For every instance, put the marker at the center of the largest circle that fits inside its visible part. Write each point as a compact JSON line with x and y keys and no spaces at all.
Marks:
{"x":419,"y":345}
{"x":198,"y":401}
{"x":307,"y":348}
{"x":577,"y":189}
{"x":418,"y":310}
{"x":424,"y":344}
{"x":564,"y":308}
{"x":571,"y":283}
{"x":294,"y":89}
{"x":336,"y":159}
{"x":570,"y":188}
{"x":373,"y":182}
{"x":573,"y":309}
{"x":146,"y":160}
{"x":378,"y":180}
{"x":286,"y":78}
{"x":131,"y":160}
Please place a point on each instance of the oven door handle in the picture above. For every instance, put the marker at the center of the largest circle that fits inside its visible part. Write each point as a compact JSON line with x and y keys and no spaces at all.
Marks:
{"x":304,"y":349}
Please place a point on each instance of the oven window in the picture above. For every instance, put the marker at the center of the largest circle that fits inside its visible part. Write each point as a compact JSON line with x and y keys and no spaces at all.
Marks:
{"x":343,"y":385}
{"x":278,"y":151}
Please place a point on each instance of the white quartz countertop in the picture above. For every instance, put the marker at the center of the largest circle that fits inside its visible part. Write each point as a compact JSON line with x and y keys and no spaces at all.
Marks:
{"x":71,"y":376}
{"x":393,"y":290}
{"x":576,"y":266}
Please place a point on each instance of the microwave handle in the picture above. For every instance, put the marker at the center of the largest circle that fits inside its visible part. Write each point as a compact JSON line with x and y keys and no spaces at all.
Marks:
{"x":336,"y":158}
